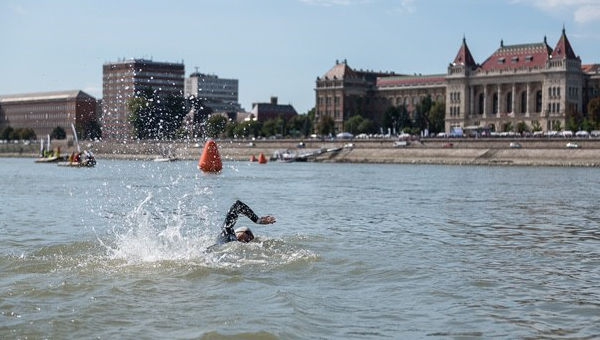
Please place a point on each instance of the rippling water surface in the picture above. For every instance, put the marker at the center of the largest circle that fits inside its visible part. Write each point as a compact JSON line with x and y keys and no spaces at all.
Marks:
{"x":360,"y":251}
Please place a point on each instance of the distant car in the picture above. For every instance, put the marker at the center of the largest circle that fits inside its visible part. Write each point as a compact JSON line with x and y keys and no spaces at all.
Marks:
{"x":448,"y":145}
{"x":515,"y":145}
{"x":401,"y":144}
{"x":572,"y":145}
{"x":301,"y":145}
{"x":251,"y":145}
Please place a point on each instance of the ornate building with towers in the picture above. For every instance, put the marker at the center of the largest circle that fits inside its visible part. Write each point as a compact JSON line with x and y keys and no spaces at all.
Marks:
{"x":532,"y":84}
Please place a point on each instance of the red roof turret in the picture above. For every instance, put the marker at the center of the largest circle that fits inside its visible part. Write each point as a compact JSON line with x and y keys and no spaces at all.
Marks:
{"x":341,"y":70}
{"x":563,"y":49}
{"x":464,"y":57}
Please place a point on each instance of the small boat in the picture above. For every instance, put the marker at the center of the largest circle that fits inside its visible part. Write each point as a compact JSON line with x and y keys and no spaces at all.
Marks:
{"x":80,"y":160}
{"x":166,"y":159}
{"x":49,"y":159}
{"x":285,"y":156}
{"x":47,"y":155}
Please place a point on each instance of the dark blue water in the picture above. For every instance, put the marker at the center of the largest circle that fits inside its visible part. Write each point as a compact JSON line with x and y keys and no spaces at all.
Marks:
{"x":358,"y":251}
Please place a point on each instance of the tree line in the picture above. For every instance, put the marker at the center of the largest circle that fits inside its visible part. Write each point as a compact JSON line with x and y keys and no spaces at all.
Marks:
{"x":167,"y":117}
{"x":10,"y":133}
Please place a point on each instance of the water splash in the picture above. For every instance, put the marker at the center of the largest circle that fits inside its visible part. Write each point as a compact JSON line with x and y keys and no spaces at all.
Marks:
{"x":151,"y":234}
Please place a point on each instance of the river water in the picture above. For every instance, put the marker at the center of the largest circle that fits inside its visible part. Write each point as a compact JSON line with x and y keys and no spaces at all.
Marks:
{"x":359,"y":251}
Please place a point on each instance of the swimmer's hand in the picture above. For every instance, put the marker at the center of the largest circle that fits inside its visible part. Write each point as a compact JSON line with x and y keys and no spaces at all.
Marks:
{"x":266,"y":220}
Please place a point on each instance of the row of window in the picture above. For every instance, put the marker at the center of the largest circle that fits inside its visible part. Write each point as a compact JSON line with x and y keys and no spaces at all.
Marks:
{"x":553,"y":107}
{"x":337,"y":114}
{"x":327,"y":100}
{"x":515,"y":59}
{"x":454,"y":111}
{"x":455,"y":97}
{"x":554,"y":92}
{"x":573,"y":92}
{"x":24,"y":109}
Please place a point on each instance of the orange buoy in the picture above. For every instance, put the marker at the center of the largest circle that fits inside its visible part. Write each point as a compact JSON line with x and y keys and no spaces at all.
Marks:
{"x":262,"y":159}
{"x":253,"y":158}
{"x":210,"y":160}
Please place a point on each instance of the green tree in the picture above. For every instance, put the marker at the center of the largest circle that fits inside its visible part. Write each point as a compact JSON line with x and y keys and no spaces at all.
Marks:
{"x":367,"y":126}
{"x":556,"y":125}
{"x":92,"y":130}
{"x":326,"y":126}
{"x":422,"y":120}
{"x":215,"y":126}
{"x":522,"y":127}
{"x":202,"y":113}
{"x":58,"y":133}
{"x":396,"y":118}
{"x":230,"y":129}
{"x":587,"y":125}
{"x":247,"y":129}
{"x":391,"y":118}
{"x":24,"y":134}
{"x":536,"y":126}
{"x":572,"y":124}
{"x":300,"y":125}
{"x":437,"y":117}
{"x":270,"y":127}
{"x":353,"y":123}
{"x":593,"y":109}
{"x":156,"y":117}
{"x":7,"y":133}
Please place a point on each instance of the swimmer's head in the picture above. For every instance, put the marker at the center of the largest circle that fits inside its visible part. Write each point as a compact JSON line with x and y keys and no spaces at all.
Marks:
{"x":244,"y":234}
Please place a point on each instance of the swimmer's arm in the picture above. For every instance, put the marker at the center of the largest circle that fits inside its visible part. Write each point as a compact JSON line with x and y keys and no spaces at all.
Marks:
{"x":240,"y":207}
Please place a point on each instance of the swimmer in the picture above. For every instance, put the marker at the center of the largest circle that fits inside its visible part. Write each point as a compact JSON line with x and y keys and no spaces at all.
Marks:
{"x":242,"y":234}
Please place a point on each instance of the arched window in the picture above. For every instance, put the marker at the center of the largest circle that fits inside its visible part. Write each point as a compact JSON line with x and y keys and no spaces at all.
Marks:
{"x":523,"y":102}
{"x":509,"y":107}
{"x":538,"y":101}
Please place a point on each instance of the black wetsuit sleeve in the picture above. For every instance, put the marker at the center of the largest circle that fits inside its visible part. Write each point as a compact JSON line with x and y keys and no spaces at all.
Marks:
{"x":239,"y":207}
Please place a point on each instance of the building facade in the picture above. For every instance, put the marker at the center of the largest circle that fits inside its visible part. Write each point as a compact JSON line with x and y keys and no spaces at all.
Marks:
{"x":43,"y":112}
{"x":344,"y":92}
{"x":220,"y":94}
{"x":532,"y":84}
{"x":123,"y":80}
{"x":263,"y":112}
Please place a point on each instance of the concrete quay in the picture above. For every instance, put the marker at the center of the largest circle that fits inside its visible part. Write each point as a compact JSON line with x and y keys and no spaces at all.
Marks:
{"x":485,"y":151}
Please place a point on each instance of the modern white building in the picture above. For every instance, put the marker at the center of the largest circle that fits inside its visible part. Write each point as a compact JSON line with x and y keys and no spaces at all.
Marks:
{"x":220,"y":94}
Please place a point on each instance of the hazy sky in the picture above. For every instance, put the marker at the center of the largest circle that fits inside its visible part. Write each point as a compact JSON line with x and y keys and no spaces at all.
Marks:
{"x":274,"y":47}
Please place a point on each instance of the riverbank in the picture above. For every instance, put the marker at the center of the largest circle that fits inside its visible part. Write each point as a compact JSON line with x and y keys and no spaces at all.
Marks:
{"x":533,"y":152}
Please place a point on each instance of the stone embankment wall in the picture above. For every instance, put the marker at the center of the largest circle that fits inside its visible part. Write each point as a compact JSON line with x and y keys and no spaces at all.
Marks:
{"x":534,"y":151}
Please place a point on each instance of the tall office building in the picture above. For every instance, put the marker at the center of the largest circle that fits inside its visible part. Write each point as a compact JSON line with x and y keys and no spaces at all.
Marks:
{"x":221,"y":95}
{"x":124,"y":79}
